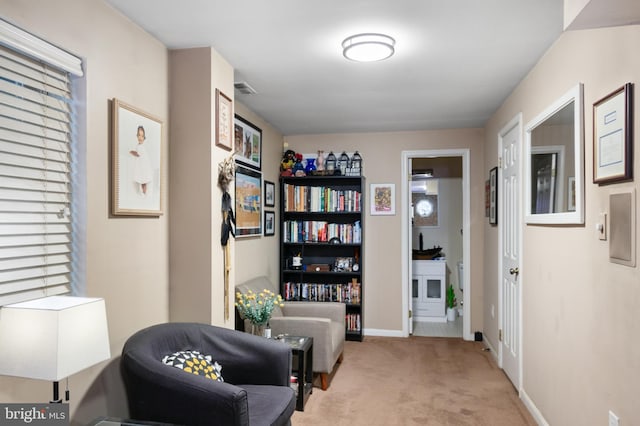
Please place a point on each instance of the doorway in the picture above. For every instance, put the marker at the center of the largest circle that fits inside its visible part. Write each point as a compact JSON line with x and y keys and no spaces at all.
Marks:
{"x":423,"y":198}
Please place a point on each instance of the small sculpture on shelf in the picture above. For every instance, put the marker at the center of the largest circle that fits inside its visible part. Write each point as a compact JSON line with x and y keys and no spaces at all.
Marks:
{"x":330,"y":163}
{"x":356,"y":165}
{"x":343,"y":163}
{"x":320,"y":161}
{"x":288,"y":160}
{"x":298,"y":168}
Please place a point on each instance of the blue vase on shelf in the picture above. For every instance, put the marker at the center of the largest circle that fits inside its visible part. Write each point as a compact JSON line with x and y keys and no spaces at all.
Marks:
{"x":311,"y":166}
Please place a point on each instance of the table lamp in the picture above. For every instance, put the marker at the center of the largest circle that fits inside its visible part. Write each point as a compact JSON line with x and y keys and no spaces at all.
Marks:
{"x":53,"y":337}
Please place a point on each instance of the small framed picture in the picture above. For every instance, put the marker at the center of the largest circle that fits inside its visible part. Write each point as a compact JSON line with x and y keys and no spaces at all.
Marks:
{"x":269,"y":194}
{"x":136,"y":177}
{"x":269,"y":223}
{"x":383,"y":199}
{"x":248,"y":143}
{"x":612,"y":131}
{"x":493,"y":196}
{"x":343,"y":264}
{"x":224,"y":124}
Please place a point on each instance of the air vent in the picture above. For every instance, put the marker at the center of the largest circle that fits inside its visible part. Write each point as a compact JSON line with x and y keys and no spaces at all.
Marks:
{"x":244,"y":88}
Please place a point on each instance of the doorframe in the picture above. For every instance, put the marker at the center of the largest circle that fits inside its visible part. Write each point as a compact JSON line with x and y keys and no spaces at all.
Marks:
{"x":515,"y":122}
{"x":466,"y":232}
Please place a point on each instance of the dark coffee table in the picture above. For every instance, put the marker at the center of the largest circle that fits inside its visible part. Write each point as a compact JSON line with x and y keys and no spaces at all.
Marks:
{"x":302,"y":366}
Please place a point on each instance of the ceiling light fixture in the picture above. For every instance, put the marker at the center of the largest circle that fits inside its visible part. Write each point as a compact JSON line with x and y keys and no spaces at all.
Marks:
{"x":368,"y":47}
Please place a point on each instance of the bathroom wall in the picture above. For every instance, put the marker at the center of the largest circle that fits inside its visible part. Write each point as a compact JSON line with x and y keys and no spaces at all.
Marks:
{"x":448,"y":233}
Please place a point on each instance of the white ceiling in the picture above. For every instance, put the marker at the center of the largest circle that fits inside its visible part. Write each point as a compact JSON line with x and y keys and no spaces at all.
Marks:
{"x":455,"y":62}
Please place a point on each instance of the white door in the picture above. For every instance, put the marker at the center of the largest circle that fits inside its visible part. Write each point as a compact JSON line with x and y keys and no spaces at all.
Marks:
{"x":510,"y":244}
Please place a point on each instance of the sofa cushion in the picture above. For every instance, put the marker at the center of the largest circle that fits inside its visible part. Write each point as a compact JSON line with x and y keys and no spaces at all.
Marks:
{"x":269,"y":405}
{"x":195,"y":363}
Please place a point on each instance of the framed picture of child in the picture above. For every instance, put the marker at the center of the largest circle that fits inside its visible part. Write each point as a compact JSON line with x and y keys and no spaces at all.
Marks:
{"x":136,"y":150}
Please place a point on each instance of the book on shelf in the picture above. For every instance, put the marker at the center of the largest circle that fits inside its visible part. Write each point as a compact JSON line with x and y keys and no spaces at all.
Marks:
{"x":300,"y":198}
{"x":352,"y":322}
{"x":321,"y":231}
{"x":314,"y":292}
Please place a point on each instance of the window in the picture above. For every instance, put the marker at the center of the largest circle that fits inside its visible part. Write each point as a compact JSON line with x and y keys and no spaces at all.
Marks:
{"x":35,"y":166}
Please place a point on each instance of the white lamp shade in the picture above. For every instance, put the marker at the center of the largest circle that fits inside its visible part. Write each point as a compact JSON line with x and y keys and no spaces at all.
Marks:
{"x":53,"y":337}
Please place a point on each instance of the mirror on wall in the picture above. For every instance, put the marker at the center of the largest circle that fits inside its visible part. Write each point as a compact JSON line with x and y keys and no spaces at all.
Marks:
{"x":554,"y":162}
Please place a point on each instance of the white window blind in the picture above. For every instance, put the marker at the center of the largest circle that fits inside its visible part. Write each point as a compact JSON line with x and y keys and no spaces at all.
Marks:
{"x":35,"y":173}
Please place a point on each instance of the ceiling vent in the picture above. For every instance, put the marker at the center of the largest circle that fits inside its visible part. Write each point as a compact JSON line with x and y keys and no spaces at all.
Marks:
{"x":244,"y":88}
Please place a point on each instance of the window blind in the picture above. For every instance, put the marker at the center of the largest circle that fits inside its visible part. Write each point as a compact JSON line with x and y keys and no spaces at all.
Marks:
{"x":35,"y":173}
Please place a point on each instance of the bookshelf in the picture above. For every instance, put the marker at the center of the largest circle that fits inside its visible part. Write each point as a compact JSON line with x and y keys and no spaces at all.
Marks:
{"x":321,"y":243}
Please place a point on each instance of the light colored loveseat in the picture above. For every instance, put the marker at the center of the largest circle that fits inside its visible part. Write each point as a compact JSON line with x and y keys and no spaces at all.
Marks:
{"x":324,"y":321}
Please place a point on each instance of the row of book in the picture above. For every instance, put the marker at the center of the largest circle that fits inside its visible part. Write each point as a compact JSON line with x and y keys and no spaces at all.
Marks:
{"x":320,"y":199}
{"x":346,"y":293}
{"x":299,"y":231}
{"x":352,"y":322}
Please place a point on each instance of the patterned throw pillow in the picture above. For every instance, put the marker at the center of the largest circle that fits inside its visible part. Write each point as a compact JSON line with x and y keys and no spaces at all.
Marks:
{"x":195,"y":363}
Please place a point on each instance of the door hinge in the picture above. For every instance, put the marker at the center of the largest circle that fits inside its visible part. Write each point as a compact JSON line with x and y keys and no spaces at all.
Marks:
{"x":499,"y":162}
{"x":410,"y":313}
{"x":500,"y":335}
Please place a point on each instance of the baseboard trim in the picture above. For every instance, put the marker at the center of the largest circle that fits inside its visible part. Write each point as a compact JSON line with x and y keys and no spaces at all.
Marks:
{"x":383,"y":333}
{"x":493,"y":351}
{"x":537,"y":415}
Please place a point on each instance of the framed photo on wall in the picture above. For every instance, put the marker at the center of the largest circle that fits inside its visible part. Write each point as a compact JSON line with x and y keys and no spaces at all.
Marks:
{"x":493,"y":196}
{"x":247,"y":143}
{"x":612,"y":131}
{"x":269,"y":194}
{"x":224,"y":124}
{"x":136,"y":150}
{"x":383,"y":199}
{"x":269,"y":223}
{"x":248,"y":202}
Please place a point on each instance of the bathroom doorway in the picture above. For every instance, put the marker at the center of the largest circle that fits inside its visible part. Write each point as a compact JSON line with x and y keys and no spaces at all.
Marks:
{"x":435,"y":219}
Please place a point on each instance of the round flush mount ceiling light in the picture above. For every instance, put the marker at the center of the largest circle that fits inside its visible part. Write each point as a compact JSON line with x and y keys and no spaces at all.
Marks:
{"x":368,"y":47}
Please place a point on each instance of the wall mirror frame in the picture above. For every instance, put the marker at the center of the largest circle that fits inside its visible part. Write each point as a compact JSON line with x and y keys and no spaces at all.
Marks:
{"x":554,"y":162}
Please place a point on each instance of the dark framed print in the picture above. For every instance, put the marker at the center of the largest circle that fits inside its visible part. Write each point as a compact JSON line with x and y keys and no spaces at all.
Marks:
{"x":493,"y":196}
{"x":269,"y":223}
{"x":248,"y":202}
{"x":247,"y":143}
{"x":224,"y":124}
{"x":136,"y":176}
{"x":269,"y":194}
{"x":612,"y":136}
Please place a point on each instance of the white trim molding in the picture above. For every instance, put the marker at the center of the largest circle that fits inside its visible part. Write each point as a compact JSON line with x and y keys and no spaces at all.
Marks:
{"x":20,"y":40}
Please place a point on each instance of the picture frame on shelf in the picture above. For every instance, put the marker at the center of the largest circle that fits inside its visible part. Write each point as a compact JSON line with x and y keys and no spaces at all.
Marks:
{"x":248,"y":200}
{"x":343,"y":264}
{"x":493,"y":196}
{"x":383,"y":199}
{"x":224,"y":121}
{"x":269,"y":223}
{"x":269,"y":194}
{"x":612,"y":136}
{"x":247,"y":143}
{"x":136,"y":172}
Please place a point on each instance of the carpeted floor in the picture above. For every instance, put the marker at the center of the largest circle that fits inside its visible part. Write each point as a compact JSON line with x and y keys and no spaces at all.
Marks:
{"x":415,"y":381}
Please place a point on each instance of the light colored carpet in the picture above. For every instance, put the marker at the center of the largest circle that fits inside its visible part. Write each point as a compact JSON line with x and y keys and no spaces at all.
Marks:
{"x":415,"y":381}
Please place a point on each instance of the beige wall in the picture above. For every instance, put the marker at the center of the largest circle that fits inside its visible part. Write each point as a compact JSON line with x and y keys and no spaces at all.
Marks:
{"x":580,"y":312}
{"x":127,"y":258}
{"x":382,"y":158}
{"x":256,"y":256}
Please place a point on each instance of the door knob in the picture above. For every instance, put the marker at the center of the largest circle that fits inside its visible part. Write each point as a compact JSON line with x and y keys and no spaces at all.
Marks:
{"x":514,"y":271}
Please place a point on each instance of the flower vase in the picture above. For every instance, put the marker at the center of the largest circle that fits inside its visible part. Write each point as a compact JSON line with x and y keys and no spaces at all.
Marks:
{"x":310,"y":165}
{"x":262,"y":330}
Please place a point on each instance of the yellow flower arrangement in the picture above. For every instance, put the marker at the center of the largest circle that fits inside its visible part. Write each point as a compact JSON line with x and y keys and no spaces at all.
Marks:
{"x":257,"y":308}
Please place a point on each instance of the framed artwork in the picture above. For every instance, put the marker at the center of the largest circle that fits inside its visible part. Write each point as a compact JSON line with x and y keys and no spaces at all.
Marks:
{"x":248,"y":202}
{"x":493,"y":196}
{"x":269,"y":223}
{"x":247,"y":143}
{"x":571,"y":193}
{"x":487,"y":197}
{"x":383,"y":199}
{"x":136,"y":150}
{"x":612,"y":136}
{"x":224,"y":115}
{"x":269,"y":194}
